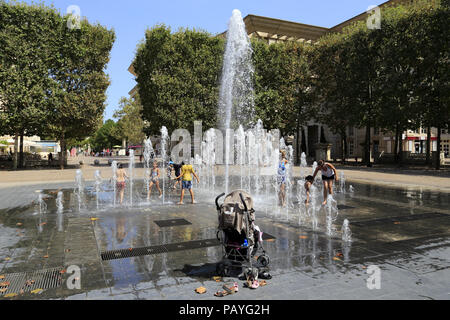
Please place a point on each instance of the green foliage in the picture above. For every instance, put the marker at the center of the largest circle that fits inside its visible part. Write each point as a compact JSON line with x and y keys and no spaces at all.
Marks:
{"x":105,"y":137}
{"x":52,"y":79}
{"x":130,"y":125}
{"x":178,"y":75}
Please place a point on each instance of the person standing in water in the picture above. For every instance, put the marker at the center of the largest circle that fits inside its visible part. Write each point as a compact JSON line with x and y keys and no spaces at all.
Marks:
{"x":121,"y":176}
{"x":187,"y":171}
{"x":281,"y":179}
{"x":155,"y":175}
{"x":329,"y":175}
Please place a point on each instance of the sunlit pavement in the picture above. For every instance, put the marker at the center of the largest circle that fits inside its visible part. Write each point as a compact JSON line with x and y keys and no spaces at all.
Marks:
{"x":393,"y":230}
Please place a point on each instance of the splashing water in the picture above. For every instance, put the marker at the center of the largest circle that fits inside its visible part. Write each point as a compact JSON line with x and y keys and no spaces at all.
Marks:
{"x":148,"y":151}
{"x":164,"y":142}
{"x":98,"y":183}
{"x":346,"y":232}
{"x":332,"y":212}
{"x":79,"y":188}
{"x":114,"y":180}
{"x":131,"y":174}
{"x":236,"y":97}
{"x":60,"y":210}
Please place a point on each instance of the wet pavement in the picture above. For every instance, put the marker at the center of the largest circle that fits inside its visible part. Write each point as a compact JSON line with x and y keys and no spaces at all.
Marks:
{"x":404,"y":232}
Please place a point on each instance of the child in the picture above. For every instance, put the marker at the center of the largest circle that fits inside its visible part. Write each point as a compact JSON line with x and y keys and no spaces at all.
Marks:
{"x":329,"y":175}
{"x":281,"y":179}
{"x":120,"y":186}
{"x":186,"y":172}
{"x":155,"y":174}
{"x":309,"y":182}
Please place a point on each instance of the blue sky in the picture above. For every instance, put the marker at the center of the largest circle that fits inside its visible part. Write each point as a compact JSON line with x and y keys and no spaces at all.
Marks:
{"x":131,"y":18}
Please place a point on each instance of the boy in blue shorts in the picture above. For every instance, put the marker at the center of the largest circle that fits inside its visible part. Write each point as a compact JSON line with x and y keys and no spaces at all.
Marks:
{"x":187,"y":171}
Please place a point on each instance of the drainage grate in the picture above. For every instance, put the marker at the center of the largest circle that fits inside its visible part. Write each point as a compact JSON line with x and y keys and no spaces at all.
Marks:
{"x":344,"y":207}
{"x":19,"y":283}
{"x":267,"y":236}
{"x":390,"y":220}
{"x":173,"y":247}
{"x":172,"y":223}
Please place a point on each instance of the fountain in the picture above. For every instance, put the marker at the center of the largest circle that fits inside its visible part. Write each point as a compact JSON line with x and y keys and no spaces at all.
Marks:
{"x":303,"y":166}
{"x":79,"y":188}
{"x":236,"y":95}
{"x":131,"y":175}
{"x":346,"y":232}
{"x":114,"y":180}
{"x":332,"y":212}
{"x":148,"y":151}
{"x":98,"y":183}
{"x":351,"y":189}
{"x":59,"y":211}
{"x":314,"y":206}
{"x":164,"y":141}
{"x":342,"y":182}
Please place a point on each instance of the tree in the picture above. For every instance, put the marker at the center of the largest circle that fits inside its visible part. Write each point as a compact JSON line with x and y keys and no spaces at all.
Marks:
{"x":25,"y":41}
{"x":105,"y":137}
{"x":130,"y":125}
{"x":79,"y":81}
{"x":178,"y":75}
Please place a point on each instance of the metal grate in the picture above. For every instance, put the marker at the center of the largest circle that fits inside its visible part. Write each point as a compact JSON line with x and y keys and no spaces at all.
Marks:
{"x":173,"y":247}
{"x":19,"y":283}
{"x":390,"y":220}
{"x":344,"y":207}
{"x":172,"y":223}
{"x":267,"y":236}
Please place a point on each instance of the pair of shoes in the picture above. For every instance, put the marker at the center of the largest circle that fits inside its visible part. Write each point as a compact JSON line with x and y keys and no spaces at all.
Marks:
{"x":255,"y":285}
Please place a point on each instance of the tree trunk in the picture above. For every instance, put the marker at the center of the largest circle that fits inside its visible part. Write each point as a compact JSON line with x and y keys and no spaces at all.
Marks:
{"x":16,"y":149}
{"x":438,"y":157}
{"x":429,"y":151}
{"x":397,"y":138}
{"x":367,"y":146}
{"x":298,"y":145}
{"x":62,"y":155}
{"x":344,"y":146}
{"x":21,"y":160}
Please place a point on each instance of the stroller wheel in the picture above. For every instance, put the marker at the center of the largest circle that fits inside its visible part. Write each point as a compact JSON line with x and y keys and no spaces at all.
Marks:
{"x":264,"y":260}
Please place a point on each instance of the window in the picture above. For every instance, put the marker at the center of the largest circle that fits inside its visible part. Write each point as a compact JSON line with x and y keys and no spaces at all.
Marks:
{"x":351,"y":131}
{"x":376,"y":131}
{"x":351,"y":148}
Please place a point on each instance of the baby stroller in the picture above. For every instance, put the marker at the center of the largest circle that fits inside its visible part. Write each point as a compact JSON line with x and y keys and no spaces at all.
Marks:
{"x":241,"y":239}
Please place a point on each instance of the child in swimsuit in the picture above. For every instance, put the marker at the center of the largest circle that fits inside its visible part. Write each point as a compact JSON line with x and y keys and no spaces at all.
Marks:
{"x":120,"y":185}
{"x":281,"y":179}
{"x":329,"y":175}
{"x":155,"y":174}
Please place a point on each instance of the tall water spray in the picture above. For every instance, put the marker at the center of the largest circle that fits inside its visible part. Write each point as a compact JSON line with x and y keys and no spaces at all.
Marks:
{"x":332,"y":213}
{"x":114,"y":180}
{"x":131,"y":175}
{"x":164,"y":144}
{"x":98,"y":183}
{"x":236,"y":96}
{"x":60,"y":210}
{"x":148,"y":151}
{"x":346,"y":232}
{"x":79,"y":188}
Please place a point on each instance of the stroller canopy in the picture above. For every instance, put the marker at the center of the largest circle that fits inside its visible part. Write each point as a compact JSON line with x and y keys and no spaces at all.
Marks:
{"x":234,"y":197}
{"x":232,"y":212}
